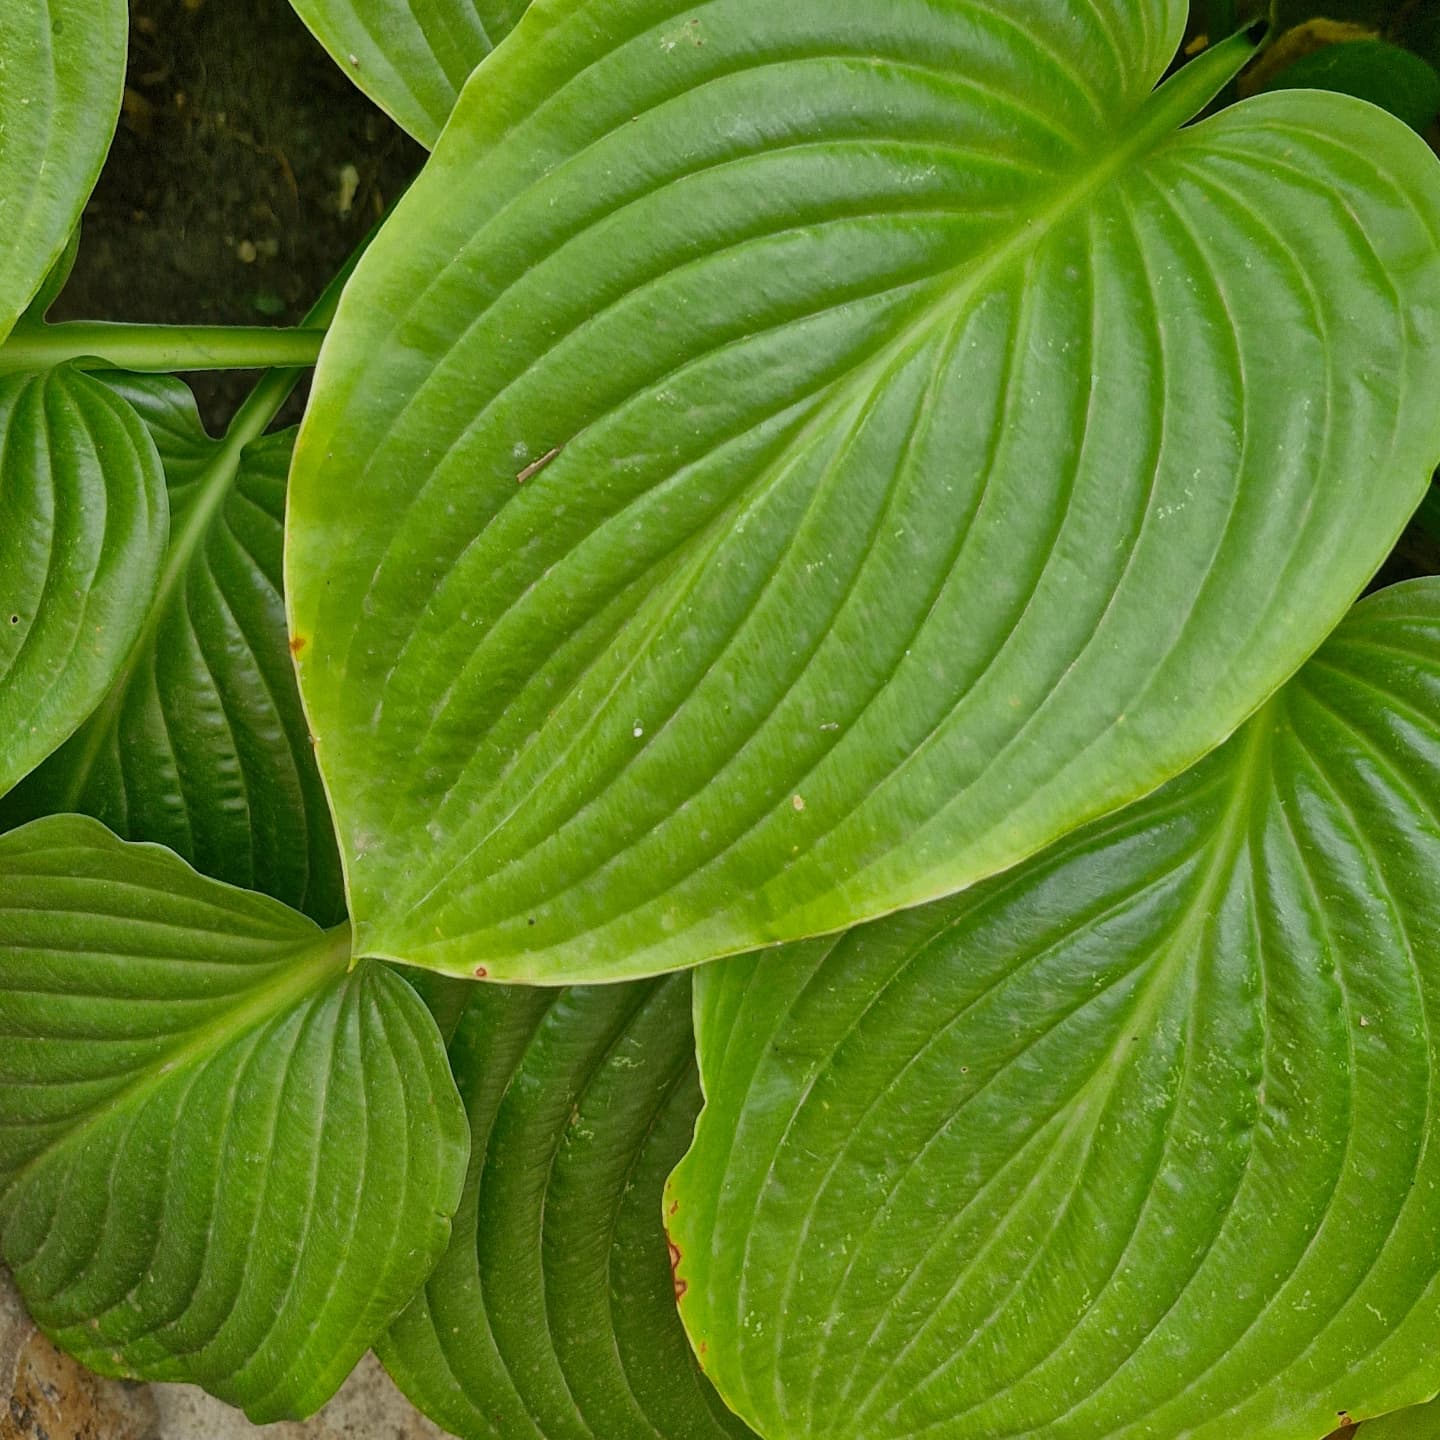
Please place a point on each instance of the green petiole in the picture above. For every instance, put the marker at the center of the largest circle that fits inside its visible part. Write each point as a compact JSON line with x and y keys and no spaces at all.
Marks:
{"x":160,"y":348}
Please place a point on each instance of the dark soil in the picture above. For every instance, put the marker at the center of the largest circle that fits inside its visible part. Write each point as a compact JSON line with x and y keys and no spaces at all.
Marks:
{"x":245,"y":169}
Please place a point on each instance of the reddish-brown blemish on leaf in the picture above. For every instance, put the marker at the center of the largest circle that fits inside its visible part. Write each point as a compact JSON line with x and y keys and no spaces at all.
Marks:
{"x":681,"y":1286}
{"x":481,"y":973}
{"x":298,"y":644}
{"x":674,"y":1206}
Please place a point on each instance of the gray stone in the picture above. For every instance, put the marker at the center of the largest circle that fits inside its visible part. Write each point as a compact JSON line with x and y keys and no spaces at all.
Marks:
{"x":45,"y":1395}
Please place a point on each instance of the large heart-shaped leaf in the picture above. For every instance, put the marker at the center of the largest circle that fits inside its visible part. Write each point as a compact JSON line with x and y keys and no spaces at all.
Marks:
{"x":83,"y":528}
{"x":552,"y":1315}
{"x":411,"y":57}
{"x":202,"y":745}
{"x":224,"y":1156}
{"x":784,"y":462}
{"x":1136,"y":1140}
{"x":62,"y":73}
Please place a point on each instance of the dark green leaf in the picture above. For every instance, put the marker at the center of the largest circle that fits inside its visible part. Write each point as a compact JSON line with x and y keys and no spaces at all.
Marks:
{"x":224,"y":1156}
{"x":202,"y":745}
{"x":83,"y":526}
{"x":1134,"y":1141}
{"x":552,"y":1315}
{"x":798,"y":459}
{"x":1385,"y":75}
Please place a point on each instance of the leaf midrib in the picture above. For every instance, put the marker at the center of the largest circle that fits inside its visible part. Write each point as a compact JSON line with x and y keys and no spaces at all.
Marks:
{"x":1167,"y":108}
{"x":319,"y":957}
{"x":1087,"y":1106}
{"x":208,"y":492}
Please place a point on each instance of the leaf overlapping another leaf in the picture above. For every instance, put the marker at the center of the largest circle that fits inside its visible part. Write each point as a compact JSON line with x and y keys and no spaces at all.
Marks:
{"x":224,"y":1158}
{"x":552,"y":1314}
{"x":1135,"y":1140}
{"x":800,"y":459}
{"x":411,"y":57}
{"x":201,"y":745}
{"x":83,"y":528}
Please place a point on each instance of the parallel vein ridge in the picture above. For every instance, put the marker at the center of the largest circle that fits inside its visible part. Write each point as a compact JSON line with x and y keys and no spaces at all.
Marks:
{"x":801,"y":459}
{"x":552,"y":1315}
{"x":201,"y":744}
{"x":225,"y":1158}
{"x":1130,"y":1142}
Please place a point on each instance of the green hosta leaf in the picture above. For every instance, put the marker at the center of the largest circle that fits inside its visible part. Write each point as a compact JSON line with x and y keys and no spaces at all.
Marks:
{"x":83,"y":525}
{"x":411,"y":57}
{"x":798,"y":459}
{"x":224,"y":1158}
{"x":1133,"y":1141}
{"x":62,"y":73}
{"x":202,"y":745}
{"x":552,"y":1314}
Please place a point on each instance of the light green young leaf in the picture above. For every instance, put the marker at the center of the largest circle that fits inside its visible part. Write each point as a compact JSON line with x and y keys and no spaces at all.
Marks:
{"x":201,"y":744}
{"x":552,"y":1315}
{"x":411,"y":57}
{"x":1134,"y":1141}
{"x":798,"y":459}
{"x":62,"y":75}
{"x":224,"y":1157}
{"x":83,"y":528}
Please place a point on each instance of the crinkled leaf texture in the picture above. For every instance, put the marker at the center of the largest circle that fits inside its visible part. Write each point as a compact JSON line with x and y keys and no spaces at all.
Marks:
{"x":1136,"y":1140}
{"x":83,"y":530}
{"x":411,"y":57}
{"x":552,"y":1315}
{"x":62,"y":73}
{"x":201,"y":744}
{"x":799,"y":459}
{"x":224,"y":1157}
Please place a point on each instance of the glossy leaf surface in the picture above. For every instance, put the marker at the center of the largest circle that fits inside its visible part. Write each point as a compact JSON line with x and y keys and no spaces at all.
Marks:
{"x":1136,"y":1140}
{"x":552,"y":1314}
{"x":223,"y":1158}
{"x":202,"y":745}
{"x":411,"y":57}
{"x":83,"y":527}
{"x":800,"y":459}
{"x":62,"y":73}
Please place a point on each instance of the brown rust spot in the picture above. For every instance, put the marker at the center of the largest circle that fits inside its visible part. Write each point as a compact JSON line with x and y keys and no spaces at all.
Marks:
{"x":481,"y":973}
{"x":681,"y":1286}
{"x":297,"y":644}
